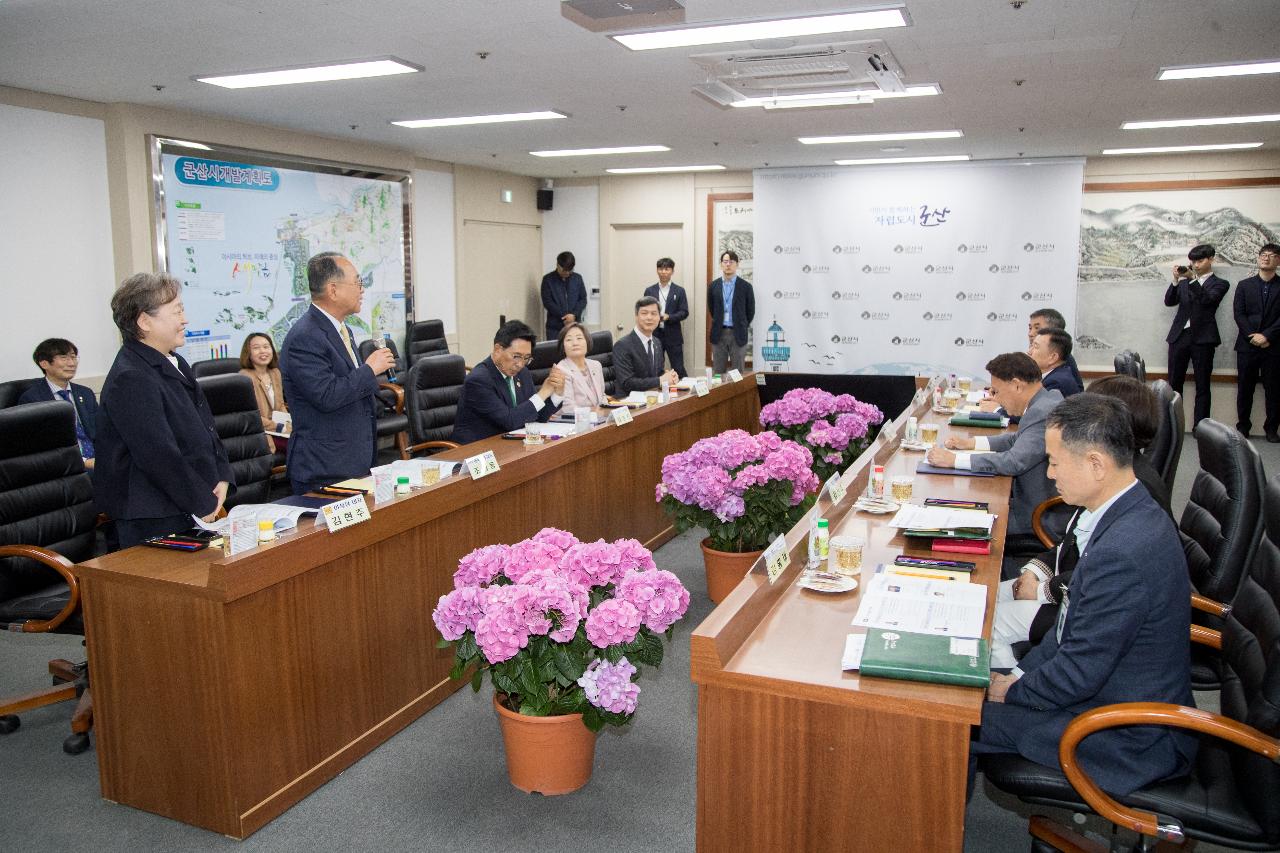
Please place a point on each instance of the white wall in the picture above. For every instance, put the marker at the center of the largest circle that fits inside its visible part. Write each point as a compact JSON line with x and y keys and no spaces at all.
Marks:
{"x":434,"y":263}
{"x":573,"y":225}
{"x":55,"y":223}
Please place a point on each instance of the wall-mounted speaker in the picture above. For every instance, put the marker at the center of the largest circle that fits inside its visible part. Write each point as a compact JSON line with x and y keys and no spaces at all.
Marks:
{"x":544,"y":199}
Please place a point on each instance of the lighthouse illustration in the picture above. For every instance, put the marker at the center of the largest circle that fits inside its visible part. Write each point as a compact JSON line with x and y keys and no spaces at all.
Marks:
{"x":775,"y":352}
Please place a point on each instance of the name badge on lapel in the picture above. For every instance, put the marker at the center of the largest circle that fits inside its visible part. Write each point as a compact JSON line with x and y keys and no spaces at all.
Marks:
{"x":1062,"y":614}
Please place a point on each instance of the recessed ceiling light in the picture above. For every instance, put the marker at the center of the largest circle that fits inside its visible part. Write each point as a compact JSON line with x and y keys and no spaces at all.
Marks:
{"x":588,"y":152}
{"x":380,"y":67}
{"x":1174,"y":149}
{"x":877,"y":161}
{"x":490,"y":119}
{"x":871,"y":19}
{"x":1237,"y":69}
{"x":648,"y":170}
{"x":1198,"y":122}
{"x":881,"y":137}
{"x":834,"y":99}
{"x":893,"y":149}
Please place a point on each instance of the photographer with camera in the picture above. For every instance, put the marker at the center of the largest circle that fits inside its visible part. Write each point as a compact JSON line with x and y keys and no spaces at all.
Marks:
{"x":1193,"y":336}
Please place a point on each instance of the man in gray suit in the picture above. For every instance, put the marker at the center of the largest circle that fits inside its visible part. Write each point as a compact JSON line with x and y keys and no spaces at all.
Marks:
{"x":1122,"y":625}
{"x":1015,"y":385}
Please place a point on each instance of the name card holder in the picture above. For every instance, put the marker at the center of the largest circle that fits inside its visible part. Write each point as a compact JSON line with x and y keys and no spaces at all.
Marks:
{"x":735,"y":375}
{"x":345,"y":513}
{"x":482,"y":464}
{"x":776,"y":558}
{"x":621,"y":416}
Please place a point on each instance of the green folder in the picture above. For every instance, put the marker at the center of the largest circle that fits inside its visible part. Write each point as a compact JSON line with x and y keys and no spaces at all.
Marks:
{"x":948,"y":533}
{"x":981,"y":423}
{"x":925,"y":657}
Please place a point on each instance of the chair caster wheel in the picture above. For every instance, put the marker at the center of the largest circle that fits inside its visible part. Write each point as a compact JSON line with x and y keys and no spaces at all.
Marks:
{"x":9,"y":723}
{"x":75,"y":744}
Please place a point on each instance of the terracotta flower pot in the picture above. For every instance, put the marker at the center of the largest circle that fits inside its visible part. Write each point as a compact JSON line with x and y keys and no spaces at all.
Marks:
{"x":725,"y":569}
{"x":547,"y":755}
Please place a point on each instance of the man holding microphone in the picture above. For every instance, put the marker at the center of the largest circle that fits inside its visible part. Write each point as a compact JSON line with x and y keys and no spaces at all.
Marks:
{"x":330,"y":391}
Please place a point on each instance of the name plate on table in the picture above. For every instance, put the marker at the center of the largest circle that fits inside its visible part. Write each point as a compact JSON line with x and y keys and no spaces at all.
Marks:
{"x":482,"y":464}
{"x":701,"y":388}
{"x":735,"y":375}
{"x":836,"y":489}
{"x":345,"y":513}
{"x":621,"y":416}
{"x":776,"y":558}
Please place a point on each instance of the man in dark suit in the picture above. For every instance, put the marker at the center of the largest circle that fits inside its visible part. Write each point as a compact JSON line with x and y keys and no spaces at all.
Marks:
{"x":732,"y":303}
{"x":1193,"y":335}
{"x":1050,"y":349}
{"x":1051,"y":318}
{"x":564,"y":295}
{"x":1123,"y":623}
{"x":1257,"y":311}
{"x":58,"y":359}
{"x":673,"y":304}
{"x":1015,"y":385}
{"x":637,"y":358}
{"x":330,"y":391}
{"x":498,"y":394}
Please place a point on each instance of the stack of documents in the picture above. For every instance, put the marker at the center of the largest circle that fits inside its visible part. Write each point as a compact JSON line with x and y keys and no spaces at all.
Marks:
{"x":941,"y":522}
{"x":939,"y":607}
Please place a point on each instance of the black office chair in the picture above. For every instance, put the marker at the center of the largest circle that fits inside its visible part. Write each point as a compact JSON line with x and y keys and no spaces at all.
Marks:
{"x":1232,"y":796}
{"x":1220,"y":527}
{"x":425,"y":338}
{"x":239,"y":425}
{"x":1166,"y":448}
{"x":47,"y":523}
{"x":1129,"y":363}
{"x":602,"y":351}
{"x":10,"y":391}
{"x":545,"y":355}
{"x":215,"y":367}
{"x":431,"y":394}
{"x":391,"y":417}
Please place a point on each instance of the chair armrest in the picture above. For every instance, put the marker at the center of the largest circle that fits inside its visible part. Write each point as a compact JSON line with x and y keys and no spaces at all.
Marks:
{"x":1149,"y":714}
{"x":430,"y":445}
{"x":1037,"y":525}
{"x":398,"y":391}
{"x":59,"y":564}
{"x":1208,"y":605}
{"x":1206,"y":637}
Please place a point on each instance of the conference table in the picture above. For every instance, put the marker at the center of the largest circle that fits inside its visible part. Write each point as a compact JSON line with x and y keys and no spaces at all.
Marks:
{"x":794,"y":753}
{"x":226,"y":689}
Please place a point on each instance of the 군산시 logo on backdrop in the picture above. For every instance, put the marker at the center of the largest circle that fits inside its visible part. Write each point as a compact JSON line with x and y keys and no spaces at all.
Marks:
{"x":970,"y":296}
{"x":1037,"y":296}
{"x":845,"y":294}
{"x":786,"y":294}
{"x":970,"y":342}
{"x":786,"y":250}
{"x":844,"y":339}
{"x":845,"y":249}
{"x":1037,"y":247}
{"x":907,"y":295}
{"x":810,"y":314}
{"x":1003,"y":317}
{"x":903,"y":341}
{"x":972,"y":248}
{"x":875,"y":315}
{"x":875,"y":269}
{"x":815,"y":269}
{"x":936,"y":316}
{"x":1003,"y":269}
{"x":908,"y":249}
{"x":939,"y":269}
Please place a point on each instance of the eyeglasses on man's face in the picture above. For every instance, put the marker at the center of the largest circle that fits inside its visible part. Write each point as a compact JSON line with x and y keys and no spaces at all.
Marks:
{"x":519,"y":358}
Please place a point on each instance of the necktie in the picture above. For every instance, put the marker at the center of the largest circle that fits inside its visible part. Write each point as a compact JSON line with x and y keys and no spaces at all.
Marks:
{"x":511,"y":386}
{"x":82,"y":437}
{"x":346,"y":340}
{"x":652,"y":365}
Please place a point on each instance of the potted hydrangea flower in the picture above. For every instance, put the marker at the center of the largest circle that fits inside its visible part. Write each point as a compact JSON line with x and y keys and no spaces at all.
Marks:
{"x":562,"y":627}
{"x":836,"y":428}
{"x":744,"y":490}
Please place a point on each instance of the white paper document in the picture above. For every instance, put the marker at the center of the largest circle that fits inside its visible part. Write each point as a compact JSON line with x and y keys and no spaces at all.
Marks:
{"x":939,"y":607}
{"x":549,"y":429}
{"x":282,"y":516}
{"x":912,"y":517}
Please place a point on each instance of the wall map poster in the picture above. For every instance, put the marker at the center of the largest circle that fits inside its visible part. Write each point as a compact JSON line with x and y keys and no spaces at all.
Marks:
{"x":238,"y":236}
{"x":1129,"y":240}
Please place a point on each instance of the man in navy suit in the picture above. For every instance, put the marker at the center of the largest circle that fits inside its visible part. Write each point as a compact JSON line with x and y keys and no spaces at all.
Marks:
{"x":1123,"y":624}
{"x":637,"y":357}
{"x":1050,"y":349}
{"x":673,"y":305}
{"x":1257,"y":311}
{"x":330,"y":391}
{"x":498,"y":394}
{"x":58,"y":359}
{"x":564,"y":295}
{"x":1193,"y":335}
{"x":1051,"y":318}
{"x":732,"y":303}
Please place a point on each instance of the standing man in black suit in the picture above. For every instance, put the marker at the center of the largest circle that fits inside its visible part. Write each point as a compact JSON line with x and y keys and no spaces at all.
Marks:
{"x":1257,"y":311}
{"x":637,"y":358}
{"x":673,"y":304}
{"x":564,"y":295}
{"x":58,"y":359}
{"x":498,"y":394}
{"x":1193,"y":335}
{"x":732,"y":304}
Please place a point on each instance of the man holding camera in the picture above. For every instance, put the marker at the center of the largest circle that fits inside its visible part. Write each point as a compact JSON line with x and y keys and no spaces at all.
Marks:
{"x":1193,"y":336}
{"x":1257,"y":311}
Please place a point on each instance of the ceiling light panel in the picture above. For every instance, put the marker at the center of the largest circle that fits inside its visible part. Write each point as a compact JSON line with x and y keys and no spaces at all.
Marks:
{"x":880,"y":161}
{"x":500,"y":118}
{"x":591,"y":152}
{"x":870,"y":19}
{"x":652,"y":170}
{"x":380,"y":67}
{"x":1177,"y":149}
{"x":881,"y":137}
{"x":1238,"y":69}
{"x":1198,"y":122}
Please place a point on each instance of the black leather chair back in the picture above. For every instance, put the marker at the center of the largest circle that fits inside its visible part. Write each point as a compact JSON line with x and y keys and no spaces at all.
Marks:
{"x":545,"y":355}
{"x":215,"y":367}
{"x":1129,"y":363}
{"x":602,"y":351}
{"x":1142,"y":367}
{"x":425,"y":338}
{"x":46,"y":496}
{"x":12,"y":390}
{"x":239,"y":425}
{"x":1166,"y":448}
{"x":431,"y":397}
{"x":1222,"y":522}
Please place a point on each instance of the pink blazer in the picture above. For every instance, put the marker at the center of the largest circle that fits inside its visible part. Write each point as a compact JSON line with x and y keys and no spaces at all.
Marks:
{"x":582,"y":390}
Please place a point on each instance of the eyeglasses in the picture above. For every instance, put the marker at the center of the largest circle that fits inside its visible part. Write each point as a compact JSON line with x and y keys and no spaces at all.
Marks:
{"x":518,"y":358}
{"x":1269,"y":254}
{"x":67,"y":357}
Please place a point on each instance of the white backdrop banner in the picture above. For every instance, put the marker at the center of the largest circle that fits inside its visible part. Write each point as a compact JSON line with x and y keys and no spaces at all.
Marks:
{"x":920,"y":269}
